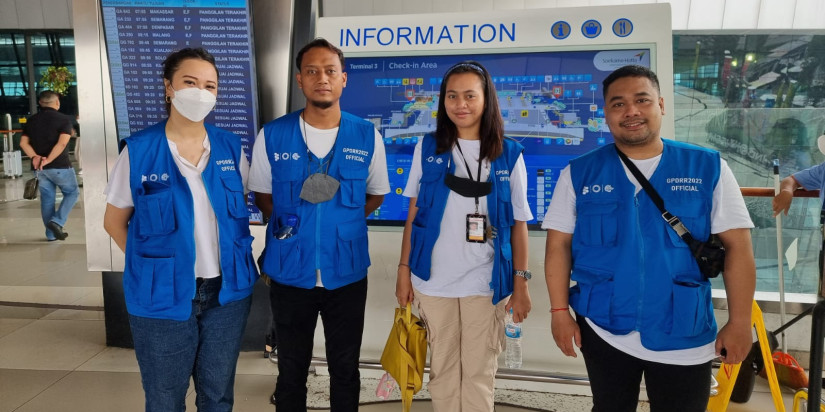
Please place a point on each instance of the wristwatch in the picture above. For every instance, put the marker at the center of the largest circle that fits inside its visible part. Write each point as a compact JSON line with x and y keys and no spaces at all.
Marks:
{"x":523,"y":273}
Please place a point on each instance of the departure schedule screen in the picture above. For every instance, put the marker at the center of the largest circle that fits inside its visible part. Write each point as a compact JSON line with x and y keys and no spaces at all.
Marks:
{"x":141,"y":33}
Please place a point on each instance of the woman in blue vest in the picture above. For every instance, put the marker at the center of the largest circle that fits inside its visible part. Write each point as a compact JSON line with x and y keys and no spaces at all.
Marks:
{"x":464,"y":251}
{"x":176,"y":207}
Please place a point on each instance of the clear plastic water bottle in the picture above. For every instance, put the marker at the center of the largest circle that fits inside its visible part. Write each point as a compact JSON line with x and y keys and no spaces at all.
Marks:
{"x":288,"y":229}
{"x":512,"y":332}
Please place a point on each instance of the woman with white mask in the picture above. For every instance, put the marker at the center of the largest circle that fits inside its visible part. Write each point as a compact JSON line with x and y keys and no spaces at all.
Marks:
{"x":177,"y":208}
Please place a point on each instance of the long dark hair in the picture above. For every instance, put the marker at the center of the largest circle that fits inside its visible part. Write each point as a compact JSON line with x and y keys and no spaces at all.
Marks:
{"x":491,"y":130}
{"x":173,"y":61}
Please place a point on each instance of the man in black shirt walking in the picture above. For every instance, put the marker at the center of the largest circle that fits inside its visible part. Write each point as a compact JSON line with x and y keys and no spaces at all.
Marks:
{"x":45,"y":137}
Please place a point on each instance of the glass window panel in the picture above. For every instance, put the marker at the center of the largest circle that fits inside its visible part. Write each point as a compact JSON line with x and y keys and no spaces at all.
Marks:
{"x":48,"y":49}
{"x":757,"y":98}
{"x":13,"y":74}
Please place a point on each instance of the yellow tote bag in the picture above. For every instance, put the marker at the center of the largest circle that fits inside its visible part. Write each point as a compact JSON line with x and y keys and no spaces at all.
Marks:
{"x":406,"y":353}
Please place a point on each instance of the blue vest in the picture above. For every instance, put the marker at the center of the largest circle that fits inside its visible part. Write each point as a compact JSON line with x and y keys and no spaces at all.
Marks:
{"x":159,"y":278}
{"x":432,"y":199}
{"x":330,"y":236}
{"x":632,"y":271}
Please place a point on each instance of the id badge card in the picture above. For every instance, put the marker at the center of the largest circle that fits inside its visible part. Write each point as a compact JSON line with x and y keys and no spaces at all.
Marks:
{"x":476,"y":228}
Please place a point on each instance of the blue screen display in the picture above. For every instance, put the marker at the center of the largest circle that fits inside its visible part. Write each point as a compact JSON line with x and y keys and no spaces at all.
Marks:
{"x":551,"y":103}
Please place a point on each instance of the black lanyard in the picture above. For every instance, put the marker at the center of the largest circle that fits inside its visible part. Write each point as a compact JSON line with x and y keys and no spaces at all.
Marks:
{"x":326,"y":160}
{"x":469,"y":173}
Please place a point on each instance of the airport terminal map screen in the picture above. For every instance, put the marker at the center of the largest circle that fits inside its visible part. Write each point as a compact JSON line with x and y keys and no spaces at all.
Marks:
{"x":551,"y":103}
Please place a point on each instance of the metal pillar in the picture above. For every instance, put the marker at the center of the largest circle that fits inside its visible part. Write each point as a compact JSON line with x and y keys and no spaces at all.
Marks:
{"x":815,"y":371}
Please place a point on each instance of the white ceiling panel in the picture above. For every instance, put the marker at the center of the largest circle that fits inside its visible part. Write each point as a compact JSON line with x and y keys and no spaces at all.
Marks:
{"x":332,"y":8}
{"x":29,"y":14}
{"x":740,"y":14}
{"x":56,"y":14}
{"x":358,"y":7}
{"x":508,"y":4}
{"x":809,"y":14}
{"x":418,"y":6}
{"x":446,"y":6}
{"x":8,"y":15}
{"x":679,"y":10}
{"x":540,"y":4}
{"x":476,"y":5}
{"x":705,"y":14}
{"x":776,"y":14}
{"x":388,"y":7}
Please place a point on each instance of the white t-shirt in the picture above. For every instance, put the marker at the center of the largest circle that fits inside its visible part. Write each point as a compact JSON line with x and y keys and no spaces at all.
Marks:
{"x":207,"y":253}
{"x":728,"y":212}
{"x":461,"y":268}
{"x":320,"y":142}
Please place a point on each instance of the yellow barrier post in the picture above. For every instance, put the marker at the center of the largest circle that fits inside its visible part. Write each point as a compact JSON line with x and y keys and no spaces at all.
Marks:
{"x":802,"y":394}
{"x":727,"y":373}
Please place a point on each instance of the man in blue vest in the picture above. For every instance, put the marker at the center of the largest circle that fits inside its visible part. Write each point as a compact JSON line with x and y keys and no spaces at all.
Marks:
{"x":642,"y":306}
{"x":318,"y":173}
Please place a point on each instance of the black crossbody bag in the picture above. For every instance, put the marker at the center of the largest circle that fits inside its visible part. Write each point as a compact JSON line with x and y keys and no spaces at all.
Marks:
{"x":710,"y":254}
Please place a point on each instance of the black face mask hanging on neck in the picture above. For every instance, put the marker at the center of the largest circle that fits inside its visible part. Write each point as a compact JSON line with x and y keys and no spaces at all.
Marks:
{"x":467,"y":187}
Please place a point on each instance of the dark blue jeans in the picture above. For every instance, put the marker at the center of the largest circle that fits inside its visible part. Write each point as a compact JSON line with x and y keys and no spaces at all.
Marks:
{"x":50,"y":180}
{"x":296,"y":314}
{"x":205,"y":347}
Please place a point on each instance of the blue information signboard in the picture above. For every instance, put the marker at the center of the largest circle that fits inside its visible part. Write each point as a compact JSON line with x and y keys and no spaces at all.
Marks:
{"x":141,"y":33}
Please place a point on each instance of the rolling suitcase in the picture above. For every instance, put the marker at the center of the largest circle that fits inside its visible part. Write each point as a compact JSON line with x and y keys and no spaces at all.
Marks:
{"x":12,"y":164}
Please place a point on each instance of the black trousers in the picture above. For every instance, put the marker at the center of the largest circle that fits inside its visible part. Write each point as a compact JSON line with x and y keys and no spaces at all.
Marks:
{"x":296,"y":313}
{"x":615,"y":378}
{"x":272,"y":336}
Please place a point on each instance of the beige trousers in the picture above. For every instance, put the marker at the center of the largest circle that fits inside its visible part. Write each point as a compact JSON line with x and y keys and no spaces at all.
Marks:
{"x":466,"y":335}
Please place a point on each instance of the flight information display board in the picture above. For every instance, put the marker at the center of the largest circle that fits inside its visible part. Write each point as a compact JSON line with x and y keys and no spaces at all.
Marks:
{"x":141,"y":33}
{"x":551,"y":103}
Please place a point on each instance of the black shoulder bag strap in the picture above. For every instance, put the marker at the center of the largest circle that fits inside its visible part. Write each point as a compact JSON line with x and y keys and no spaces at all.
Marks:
{"x":671,"y":220}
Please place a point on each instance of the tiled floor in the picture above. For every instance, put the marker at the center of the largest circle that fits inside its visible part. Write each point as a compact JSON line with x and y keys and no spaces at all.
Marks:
{"x":53,"y":355}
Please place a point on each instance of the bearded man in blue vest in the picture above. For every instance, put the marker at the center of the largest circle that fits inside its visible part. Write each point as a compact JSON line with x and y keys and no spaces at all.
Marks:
{"x":318,"y":173}
{"x":643,"y":308}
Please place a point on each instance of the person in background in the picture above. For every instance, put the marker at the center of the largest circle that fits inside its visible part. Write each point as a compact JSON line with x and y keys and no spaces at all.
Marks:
{"x":318,"y":172}
{"x":44,"y":140}
{"x":176,"y":207}
{"x":464,"y":177}
{"x":642,"y":306}
{"x":812,"y":178}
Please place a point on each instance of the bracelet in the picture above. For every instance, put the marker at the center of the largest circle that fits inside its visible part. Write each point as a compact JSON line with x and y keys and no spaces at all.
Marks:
{"x":554,"y":310}
{"x":403,"y":264}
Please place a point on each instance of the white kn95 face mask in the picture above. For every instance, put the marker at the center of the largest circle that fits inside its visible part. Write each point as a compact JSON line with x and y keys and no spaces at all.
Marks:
{"x":193,"y":103}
